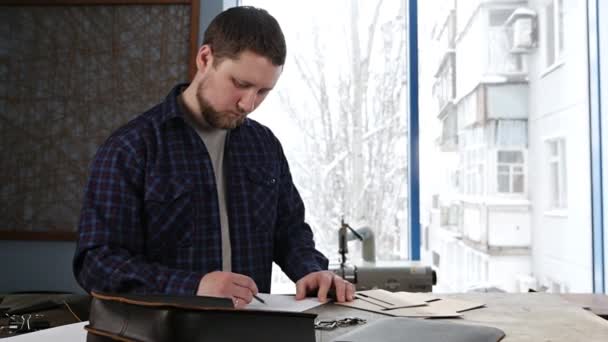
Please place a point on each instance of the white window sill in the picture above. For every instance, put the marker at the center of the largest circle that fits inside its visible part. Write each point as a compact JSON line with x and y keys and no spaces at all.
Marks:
{"x":552,"y":68}
{"x":556,"y":213}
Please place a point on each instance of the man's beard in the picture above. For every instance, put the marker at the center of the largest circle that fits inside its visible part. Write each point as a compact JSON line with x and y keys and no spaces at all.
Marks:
{"x":221,"y":120}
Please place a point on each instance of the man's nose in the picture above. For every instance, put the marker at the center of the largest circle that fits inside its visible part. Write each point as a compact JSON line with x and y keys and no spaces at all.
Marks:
{"x":247,"y":102}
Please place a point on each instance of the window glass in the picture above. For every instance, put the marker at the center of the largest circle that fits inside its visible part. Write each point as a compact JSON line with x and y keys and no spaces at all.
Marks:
{"x":557,"y":174}
{"x":550,"y":33}
{"x":519,"y":138}
{"x":554,"y":30}
{"x":339,"y":110}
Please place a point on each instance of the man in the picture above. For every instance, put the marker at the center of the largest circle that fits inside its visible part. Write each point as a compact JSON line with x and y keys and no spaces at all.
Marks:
{"x":192,"y":197}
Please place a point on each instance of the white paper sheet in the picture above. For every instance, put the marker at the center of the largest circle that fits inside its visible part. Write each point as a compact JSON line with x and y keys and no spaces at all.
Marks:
{"x":65,"y":333}
{"x":276,"y":302}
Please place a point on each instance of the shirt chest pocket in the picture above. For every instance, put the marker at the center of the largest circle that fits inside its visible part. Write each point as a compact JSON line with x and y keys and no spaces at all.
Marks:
{"x":262,"y":184}
{"x":169,"y":212}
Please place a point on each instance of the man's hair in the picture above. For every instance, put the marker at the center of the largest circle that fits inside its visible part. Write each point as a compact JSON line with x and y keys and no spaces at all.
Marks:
{"x":245,"y":28}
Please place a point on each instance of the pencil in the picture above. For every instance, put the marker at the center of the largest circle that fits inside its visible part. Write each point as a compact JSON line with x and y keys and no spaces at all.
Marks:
{"x":259,"y":299}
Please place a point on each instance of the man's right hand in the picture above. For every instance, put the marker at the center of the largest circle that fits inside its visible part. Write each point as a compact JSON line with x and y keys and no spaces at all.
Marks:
{"x":240,"y":288}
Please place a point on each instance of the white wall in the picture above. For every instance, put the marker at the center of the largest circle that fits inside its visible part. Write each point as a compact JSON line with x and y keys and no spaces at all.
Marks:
{"x":505,"y":269}
{"x":509,"y":227}
{"x":474,"y":223}
{"x":559,"y":107}
{"x":451,"y":272}
{"x":470,"y":64}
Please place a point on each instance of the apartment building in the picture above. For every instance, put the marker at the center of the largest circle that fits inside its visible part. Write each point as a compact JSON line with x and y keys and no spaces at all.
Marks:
{"x":502,"y":218}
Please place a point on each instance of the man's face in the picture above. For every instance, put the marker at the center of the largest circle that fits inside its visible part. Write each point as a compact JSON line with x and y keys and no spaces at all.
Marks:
{"x":232,"y":89}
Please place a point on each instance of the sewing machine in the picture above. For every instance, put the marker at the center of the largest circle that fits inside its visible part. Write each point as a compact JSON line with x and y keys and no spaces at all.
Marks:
{"x":392,"y":276}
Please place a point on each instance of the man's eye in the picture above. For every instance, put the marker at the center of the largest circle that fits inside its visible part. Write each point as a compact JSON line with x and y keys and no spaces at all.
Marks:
{"x":239,"y":84}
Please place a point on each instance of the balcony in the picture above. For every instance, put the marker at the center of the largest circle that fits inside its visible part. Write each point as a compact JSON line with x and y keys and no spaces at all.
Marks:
{"x":497,"y":226}
{"x":493,"y":102}
{"x":446,"y":36}
{"x":467,"y":10}
{"x":448,"y":141}
{"x":444,"y":88}
{"x":484,"y":54}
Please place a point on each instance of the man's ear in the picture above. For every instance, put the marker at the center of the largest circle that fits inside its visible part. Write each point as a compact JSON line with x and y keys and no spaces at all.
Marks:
{"x":204,"y":58}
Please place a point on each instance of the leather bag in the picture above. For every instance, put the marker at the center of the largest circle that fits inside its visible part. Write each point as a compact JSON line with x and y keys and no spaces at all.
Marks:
{"x":159,"y":318}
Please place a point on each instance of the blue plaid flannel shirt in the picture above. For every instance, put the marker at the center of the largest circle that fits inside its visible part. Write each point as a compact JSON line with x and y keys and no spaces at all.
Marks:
{"x":150,"y":219}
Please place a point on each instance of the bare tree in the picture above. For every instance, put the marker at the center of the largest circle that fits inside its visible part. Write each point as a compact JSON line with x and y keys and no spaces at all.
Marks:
{"x":355,"y":161}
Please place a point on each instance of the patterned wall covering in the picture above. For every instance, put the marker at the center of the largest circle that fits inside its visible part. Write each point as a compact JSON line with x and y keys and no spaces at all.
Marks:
{"x":69,"y":76}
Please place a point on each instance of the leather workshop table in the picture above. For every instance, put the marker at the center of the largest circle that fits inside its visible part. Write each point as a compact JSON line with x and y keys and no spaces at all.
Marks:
{"x":522,"y":316}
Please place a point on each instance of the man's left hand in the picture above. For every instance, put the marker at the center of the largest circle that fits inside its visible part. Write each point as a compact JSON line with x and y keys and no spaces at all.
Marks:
{"x":323,"y":281}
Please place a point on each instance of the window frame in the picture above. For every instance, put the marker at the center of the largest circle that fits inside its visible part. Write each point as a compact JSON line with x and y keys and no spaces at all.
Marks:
{"x":556,"y":36}
{"x":597,"y":47}
{"x":558,"y":182}
{"x":511,"y":173}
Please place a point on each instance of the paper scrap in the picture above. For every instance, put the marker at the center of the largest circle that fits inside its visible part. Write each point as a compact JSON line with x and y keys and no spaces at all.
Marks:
{"x":432,"y":306}
{"x":362,"y":305}
{"x":388,"y":300}
{"x":457,"y":305}
{"x":275,"y":302}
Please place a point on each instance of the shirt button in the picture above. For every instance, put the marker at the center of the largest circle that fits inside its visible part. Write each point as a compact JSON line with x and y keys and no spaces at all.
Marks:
{"x":273,"y":180}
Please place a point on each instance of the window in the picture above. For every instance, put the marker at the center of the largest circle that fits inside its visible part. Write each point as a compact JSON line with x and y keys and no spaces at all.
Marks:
{"x":557,"y":173}
{"x":510,"y":172}
{"x":339,"y":110}
{"x":474,"y":171}
{"x":554,"y":31}
{"x":515,"y":179}
{"x":517,"y":161}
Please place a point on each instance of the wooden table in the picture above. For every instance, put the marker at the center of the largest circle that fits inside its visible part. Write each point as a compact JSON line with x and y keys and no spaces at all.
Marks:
{"x":596,"y":303}
{"x":522,"y":316}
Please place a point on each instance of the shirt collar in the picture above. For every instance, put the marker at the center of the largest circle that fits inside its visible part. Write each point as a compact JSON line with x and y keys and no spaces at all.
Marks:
{"x":171,"y":108}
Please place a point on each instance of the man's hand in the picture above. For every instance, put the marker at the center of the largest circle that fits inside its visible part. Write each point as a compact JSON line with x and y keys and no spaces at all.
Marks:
{"x":240,"y":288}
{"x":323,"y":281}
